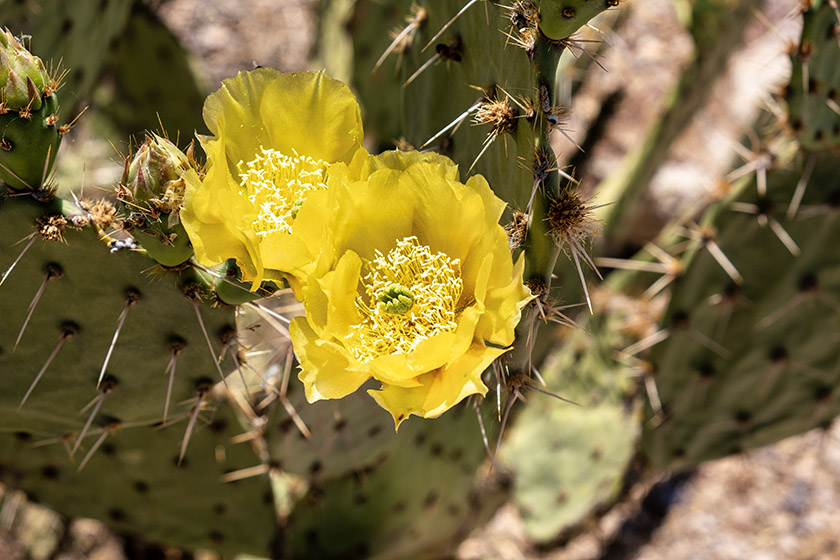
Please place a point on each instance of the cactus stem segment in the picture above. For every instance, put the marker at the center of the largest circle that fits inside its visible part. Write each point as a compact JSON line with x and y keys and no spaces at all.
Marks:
{"x":51,"y":271}
{"x":132,"y":296}
{"x":68,"y":331}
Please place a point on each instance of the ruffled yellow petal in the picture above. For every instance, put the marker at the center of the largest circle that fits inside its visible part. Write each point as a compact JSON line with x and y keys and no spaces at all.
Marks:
{"x":441,"y":389}
{"x":210,"y":217}
{"x":388,"y":212}
{"x":275,"y":136}
{"x":304,"y":112}
{"x":329,"y":373}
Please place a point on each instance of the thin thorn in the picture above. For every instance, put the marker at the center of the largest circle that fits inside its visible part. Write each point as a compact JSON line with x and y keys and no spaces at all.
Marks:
{"x":129,"y":302}
{"x":191,"y":425}
{"x":458,"y":120}
{"x":246,"y":473}
{"x":170,"y":369}
{"x":105,"y":433}
{"x":652,"y":393}
{"x":801,"y":185}
{"x":67,"y":333}
{"x":209,"y":344}
{"x":13,"y":174}
{"x":17,"y":260}
{"x":408,"y":29}
{"x":724,"y":262}
{"x":448,"y":23}
{"x":422,"y":69}
{"x":502,"y":427}
{"x":784,"y":237}
{"x":487,"y":143}
{"x":483,"y":431}
{"x":646,"y":343}
{"x":51,"y":272}
{"x":98,"y":404}
{"x":582,"y":279}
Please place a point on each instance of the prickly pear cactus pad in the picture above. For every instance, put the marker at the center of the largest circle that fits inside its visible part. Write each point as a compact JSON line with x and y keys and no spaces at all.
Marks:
{"x":74,"y":311}
{"x":74,"y":290}
{"x":28,"y":116}
{"x":416,"y":496}
{"x":750,"y":362}
{"x":567,"y":460}
{"x":813,"y":95}
{"x":134,"y":483}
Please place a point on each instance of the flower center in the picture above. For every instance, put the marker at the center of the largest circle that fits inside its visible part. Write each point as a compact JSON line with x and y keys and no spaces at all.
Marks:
{"x":278,"y":185}
{"x":417,"y":293}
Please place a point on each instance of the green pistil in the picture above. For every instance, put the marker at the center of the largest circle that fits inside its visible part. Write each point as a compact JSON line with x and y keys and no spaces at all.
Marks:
{"x":396,"y":299}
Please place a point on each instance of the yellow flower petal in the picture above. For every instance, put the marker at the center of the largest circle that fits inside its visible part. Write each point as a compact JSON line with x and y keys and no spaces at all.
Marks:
{"x":275,"y":136}
{"x":418,"y":232}
{"x":440,"y":389}
{"x":331,"y":375}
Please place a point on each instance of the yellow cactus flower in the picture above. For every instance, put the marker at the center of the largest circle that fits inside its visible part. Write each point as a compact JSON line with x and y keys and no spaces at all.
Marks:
{"x":274,"y":137}
{"x":414,"y":288}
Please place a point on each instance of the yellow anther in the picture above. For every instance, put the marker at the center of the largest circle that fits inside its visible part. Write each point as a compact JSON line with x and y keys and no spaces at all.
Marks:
{"x":277,"y":184}
{"x":434,"y":283}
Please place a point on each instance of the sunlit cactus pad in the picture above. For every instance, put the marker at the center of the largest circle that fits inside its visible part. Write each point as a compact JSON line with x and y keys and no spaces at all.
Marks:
{"x":747,"y":364}
{"x":567,"y":461}
{"x":134,"y":484}
{"x":88,"y":289}
{"x":813,"y":95}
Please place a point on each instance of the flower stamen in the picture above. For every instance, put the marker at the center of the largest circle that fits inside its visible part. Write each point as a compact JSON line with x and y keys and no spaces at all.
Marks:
{"x":417,"y":293}
{"x":277,"y":185}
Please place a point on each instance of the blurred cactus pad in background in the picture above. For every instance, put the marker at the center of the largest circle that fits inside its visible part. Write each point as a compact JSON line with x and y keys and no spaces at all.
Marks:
{"x":408,"y":279}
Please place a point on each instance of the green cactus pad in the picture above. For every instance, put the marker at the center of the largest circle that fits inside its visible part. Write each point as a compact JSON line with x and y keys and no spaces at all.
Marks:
{"x":560,"y":19}
{"x":92,"y":294}
{"x":133,"y":483}
{"x":813,"y":95}
{"x":409,"y":495}
{"x":746,"y":365}
{"x":568,"y":461}
{"x":28,"y":146}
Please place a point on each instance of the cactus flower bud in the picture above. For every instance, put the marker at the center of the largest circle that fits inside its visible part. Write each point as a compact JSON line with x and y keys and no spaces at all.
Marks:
{"x":152,"y":190}
{"x":28,"y":114}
